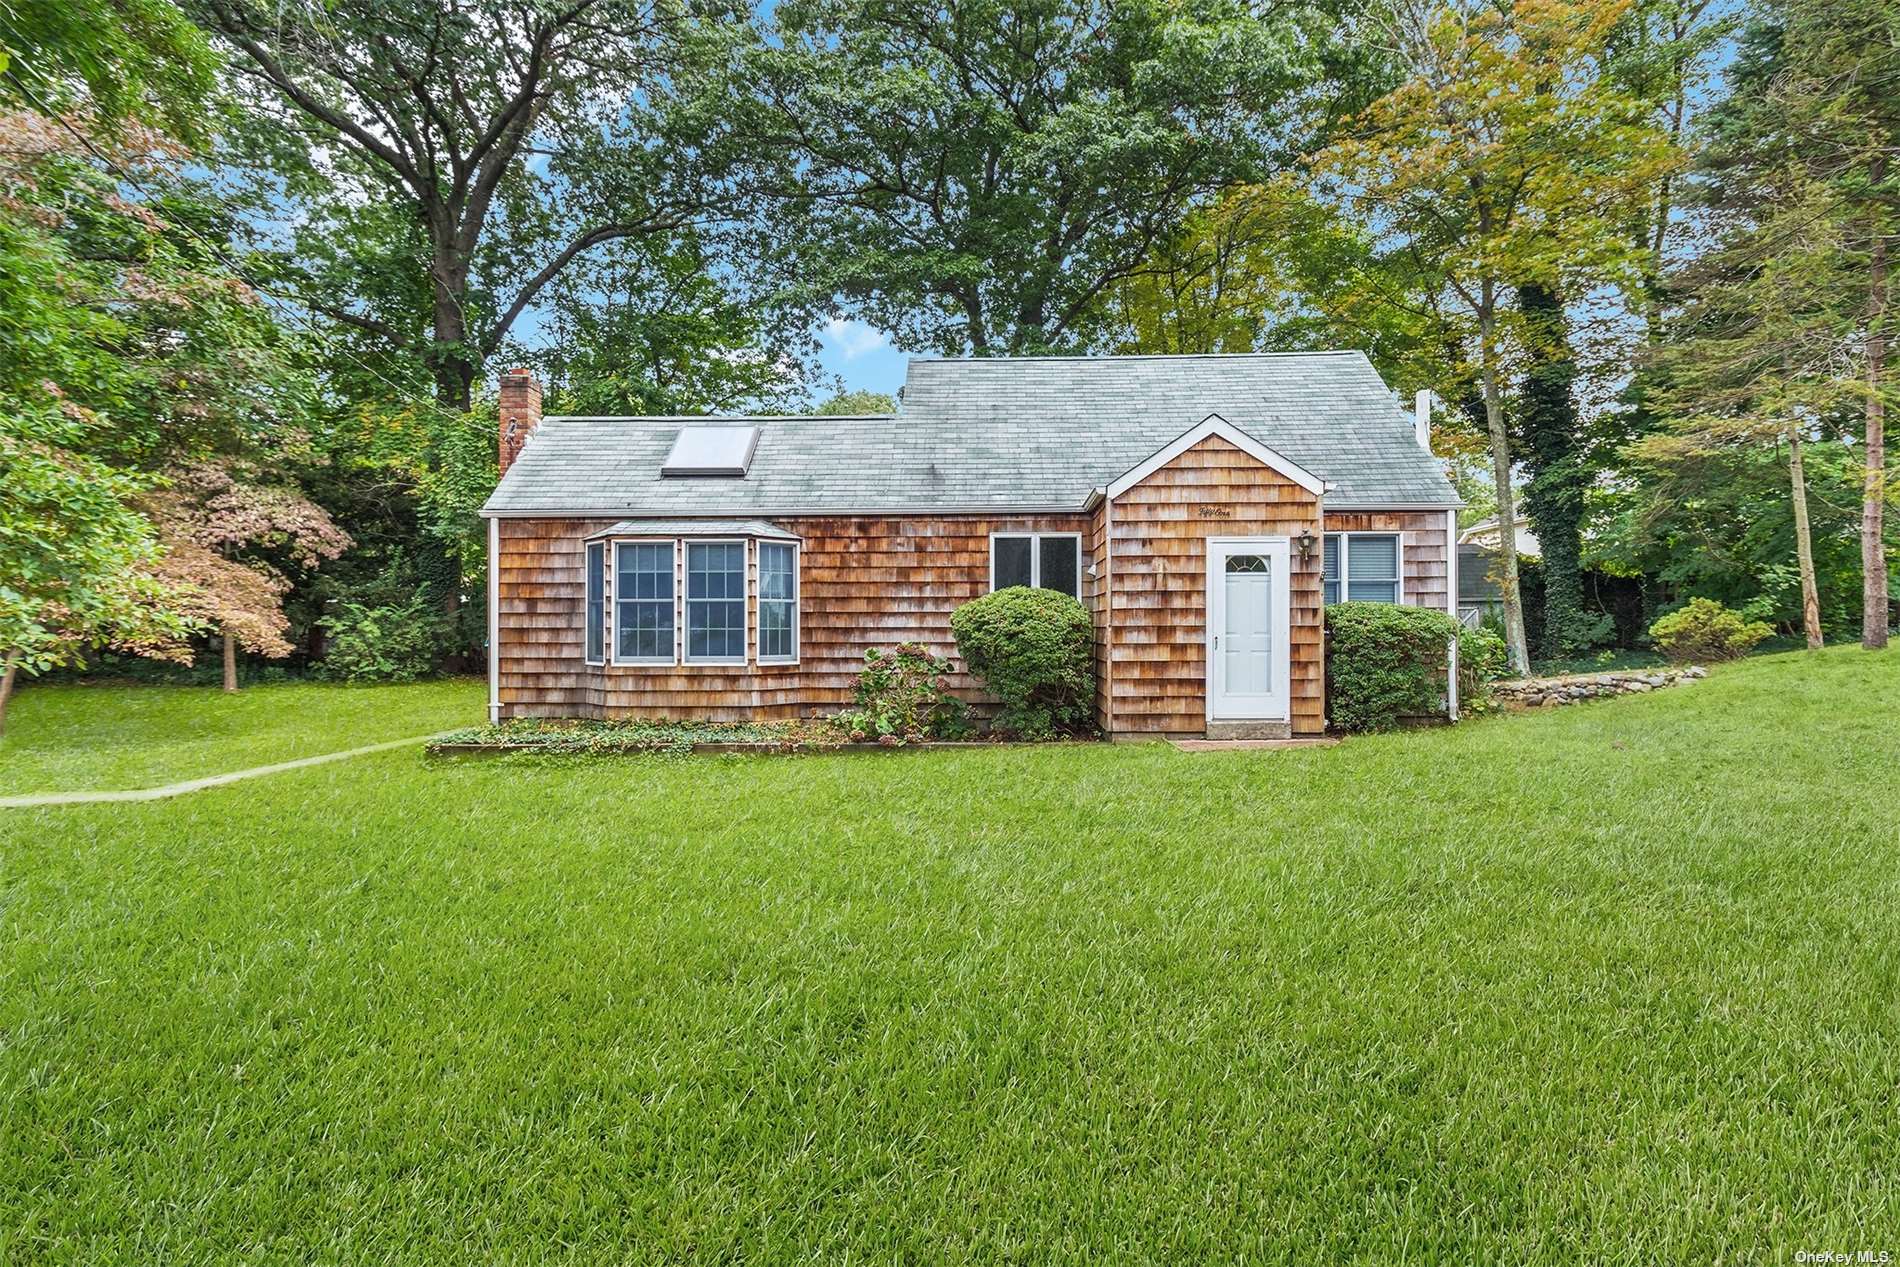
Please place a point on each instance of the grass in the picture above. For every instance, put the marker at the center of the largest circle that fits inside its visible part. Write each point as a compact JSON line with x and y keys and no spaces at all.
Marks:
{"x":1618,"y":982}
{"x":108,"y":738}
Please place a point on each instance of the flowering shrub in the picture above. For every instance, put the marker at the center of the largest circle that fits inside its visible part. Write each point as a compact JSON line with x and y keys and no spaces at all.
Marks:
{"x":900,"y":697}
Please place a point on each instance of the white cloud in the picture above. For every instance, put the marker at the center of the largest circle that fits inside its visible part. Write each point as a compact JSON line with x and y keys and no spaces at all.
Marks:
{"x":852,"y":339}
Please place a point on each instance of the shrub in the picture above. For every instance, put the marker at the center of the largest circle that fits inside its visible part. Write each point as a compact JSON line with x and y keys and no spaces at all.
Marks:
{"x":1703,"y":629}
{"x":1481,"y":661}
{"x":900,"y":697}
{"x":1035,"y":651}
{"x":395,"y":643}
{"x":1387,"y":662}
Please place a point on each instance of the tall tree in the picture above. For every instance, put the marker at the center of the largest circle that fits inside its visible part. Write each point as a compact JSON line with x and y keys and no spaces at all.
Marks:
{"x":973,"y":178}
{"x":1813,"y":107}
{"x":1508,"y":157}
{"x":1754,"y":358}
{"x":512,"y":137}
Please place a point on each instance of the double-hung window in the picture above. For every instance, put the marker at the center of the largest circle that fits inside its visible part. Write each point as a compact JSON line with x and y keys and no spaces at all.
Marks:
{"x":596,"y":601}
{"x":643,"y":602}
{"x":1050,"y":561}
{"x":778,"y":603}
{"x":715,"y":602}
{"x":1362,"y":567}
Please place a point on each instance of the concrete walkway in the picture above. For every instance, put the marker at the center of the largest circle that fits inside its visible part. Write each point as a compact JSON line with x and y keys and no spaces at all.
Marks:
{"x":199,"y":785}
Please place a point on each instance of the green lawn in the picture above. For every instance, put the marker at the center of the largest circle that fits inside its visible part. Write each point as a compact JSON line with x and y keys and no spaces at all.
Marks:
{"x":95,"y":738}
{"x":1614,"y":983}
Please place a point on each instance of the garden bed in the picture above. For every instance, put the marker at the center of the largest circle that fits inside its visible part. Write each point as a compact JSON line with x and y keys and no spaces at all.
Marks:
{"x":588,"y":738}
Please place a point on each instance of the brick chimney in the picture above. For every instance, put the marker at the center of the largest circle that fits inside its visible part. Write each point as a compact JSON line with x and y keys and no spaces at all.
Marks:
{"x":520,"y":413}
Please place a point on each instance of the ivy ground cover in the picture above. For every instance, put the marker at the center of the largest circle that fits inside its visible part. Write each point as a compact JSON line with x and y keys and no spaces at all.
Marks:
{"x":1618,"y":982}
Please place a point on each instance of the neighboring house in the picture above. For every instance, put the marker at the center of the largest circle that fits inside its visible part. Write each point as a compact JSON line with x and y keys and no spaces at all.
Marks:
{"x":1202,"y":507}
{"x":1480,"y":593}
{"x":1484,"y":535}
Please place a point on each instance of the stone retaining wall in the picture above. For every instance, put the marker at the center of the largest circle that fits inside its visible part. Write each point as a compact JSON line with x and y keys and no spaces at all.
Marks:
{"x":1550,"y":691}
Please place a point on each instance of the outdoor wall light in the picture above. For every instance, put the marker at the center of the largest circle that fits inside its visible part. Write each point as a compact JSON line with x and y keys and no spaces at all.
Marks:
{"x":1306,"y":543}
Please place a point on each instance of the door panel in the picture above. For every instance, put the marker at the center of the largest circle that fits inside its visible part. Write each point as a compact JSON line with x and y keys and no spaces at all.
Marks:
{"x":1247,"y":608}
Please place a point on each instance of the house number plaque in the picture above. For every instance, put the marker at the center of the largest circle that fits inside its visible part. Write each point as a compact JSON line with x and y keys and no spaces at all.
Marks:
{"x":1214,"y":512}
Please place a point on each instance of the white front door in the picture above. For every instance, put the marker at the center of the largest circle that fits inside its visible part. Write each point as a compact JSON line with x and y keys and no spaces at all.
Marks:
{"x":1249,"y":653}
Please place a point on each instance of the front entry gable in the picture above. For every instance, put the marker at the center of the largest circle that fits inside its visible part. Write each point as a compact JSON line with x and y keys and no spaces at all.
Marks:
{"x":1215,"y":426}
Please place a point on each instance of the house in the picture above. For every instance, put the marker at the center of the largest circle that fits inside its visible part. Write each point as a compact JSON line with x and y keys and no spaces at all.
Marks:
{"x":1202,"y":507}
{"x":1480,"y":593}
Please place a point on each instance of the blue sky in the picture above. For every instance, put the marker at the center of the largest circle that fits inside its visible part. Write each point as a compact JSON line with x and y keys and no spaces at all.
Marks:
{"x":861,"y":355}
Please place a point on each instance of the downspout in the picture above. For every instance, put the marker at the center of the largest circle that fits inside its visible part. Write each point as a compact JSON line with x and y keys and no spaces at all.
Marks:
{"x":1108,"y":617}
{"x":494,"y":621}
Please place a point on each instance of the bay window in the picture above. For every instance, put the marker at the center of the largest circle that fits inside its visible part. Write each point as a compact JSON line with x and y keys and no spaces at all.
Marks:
{"x":778,"y":603}
{"x":596,"y":601}
{"x":715,"y":602}
{"x":643,"y":602}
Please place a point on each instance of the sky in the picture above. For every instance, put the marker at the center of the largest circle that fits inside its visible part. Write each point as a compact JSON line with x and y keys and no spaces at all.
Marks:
{"x":861,"y":355}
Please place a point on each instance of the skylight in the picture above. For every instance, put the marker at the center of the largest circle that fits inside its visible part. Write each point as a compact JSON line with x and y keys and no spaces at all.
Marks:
{"x":711,"y":451}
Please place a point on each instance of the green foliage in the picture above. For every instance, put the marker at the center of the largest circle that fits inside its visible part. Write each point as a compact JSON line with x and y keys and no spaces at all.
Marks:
{"x":973,"y":183}
{"x":1704,"y":631}
{"x":854,"y":403}
{"x":1387,"y":662}
{"x":123,"y":61}
{"x":1482,"y":660}
{"x":901,"y":697}
{"x":399,"y":642}
{"x":668,"y":738}
{"x":1034,"y":649}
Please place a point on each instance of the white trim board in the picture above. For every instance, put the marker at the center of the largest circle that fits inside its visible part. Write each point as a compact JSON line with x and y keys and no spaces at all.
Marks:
{"x":1215,"y":425}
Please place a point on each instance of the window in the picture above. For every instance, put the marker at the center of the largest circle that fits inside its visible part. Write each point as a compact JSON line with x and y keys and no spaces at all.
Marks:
{"x":1051,"y":561}
{"x":596,"y":601}
{"x":643,"y":602}
{"x":778,"y":603}
{"x":715,"y":602}
{"x":1366,"y":562}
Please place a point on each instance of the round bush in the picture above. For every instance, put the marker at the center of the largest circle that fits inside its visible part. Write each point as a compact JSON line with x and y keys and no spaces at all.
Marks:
{"x":1704,"y":630}
{"x":1388,"y":662}
{"x":1035,"y":651}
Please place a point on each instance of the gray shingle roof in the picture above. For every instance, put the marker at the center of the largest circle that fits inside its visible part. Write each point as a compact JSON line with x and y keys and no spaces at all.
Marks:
{"x":1006,"y":433}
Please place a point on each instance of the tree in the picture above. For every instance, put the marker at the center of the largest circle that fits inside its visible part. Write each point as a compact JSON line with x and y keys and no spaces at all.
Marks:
{"x":1830,"y":107}
{"x":219,"y":527}
{"x":485,"y":147}
{"x":973,"y":179}
{"x":119,"y":60}
{"x":653,"y":326}
{"x":1560,"y":470}
{"x":855,"y":403}
{"x":1755,"y":358}
{"x":1508,"y":157}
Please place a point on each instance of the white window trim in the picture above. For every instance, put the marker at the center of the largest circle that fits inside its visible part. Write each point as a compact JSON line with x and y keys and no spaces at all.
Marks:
{"x":1345,"y":566}
{"x":747,"y":589}
{"x":798,"y":594}
{"x":613,"y":591}
{"x":606,"y":608}
{"x":1035,"y":558}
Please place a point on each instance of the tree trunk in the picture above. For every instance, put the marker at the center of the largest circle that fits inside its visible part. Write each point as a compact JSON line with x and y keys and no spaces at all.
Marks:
{"x":1553,"y":499}
{"x":1873,"y":506}
{"x":6,"y":690}
{"x":1804,"y":542}
{"x":230,"y":661}
{"x":449,"y":357}
{"x":1515,"y":643}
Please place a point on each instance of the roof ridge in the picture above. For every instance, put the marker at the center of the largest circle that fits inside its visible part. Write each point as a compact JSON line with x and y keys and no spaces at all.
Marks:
{"x":1104,"y":358}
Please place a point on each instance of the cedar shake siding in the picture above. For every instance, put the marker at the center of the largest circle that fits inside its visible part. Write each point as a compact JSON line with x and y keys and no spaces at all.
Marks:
{"x":1157,"y":651}
{"x":864,"y":581}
